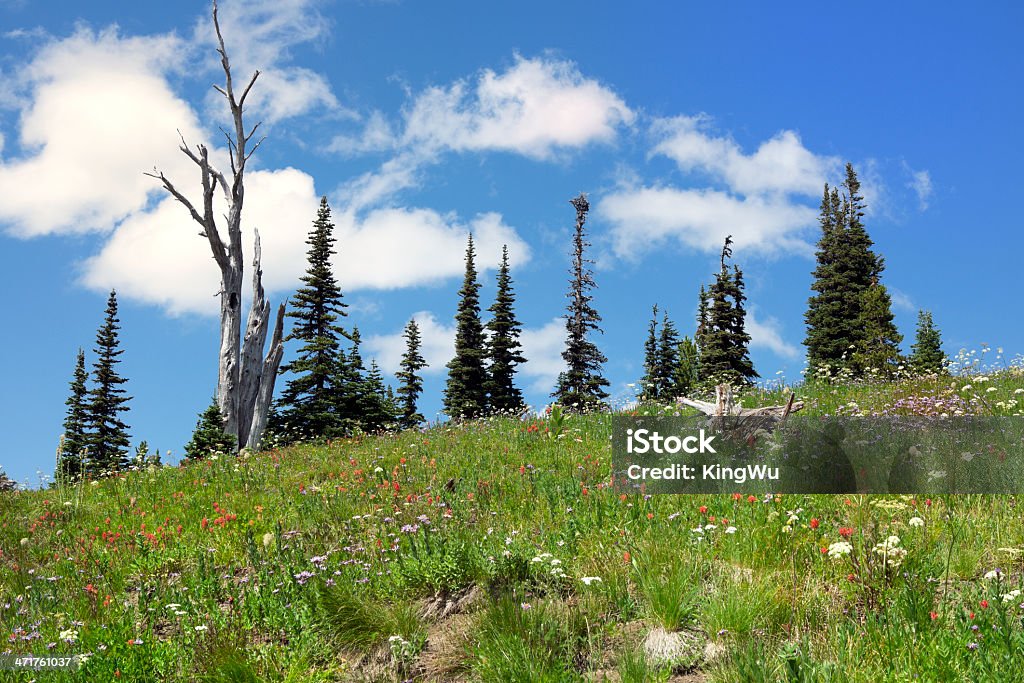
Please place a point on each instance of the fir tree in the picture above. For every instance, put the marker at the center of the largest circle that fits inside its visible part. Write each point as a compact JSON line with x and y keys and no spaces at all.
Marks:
{"x":504,"y":352}
{"x":350,"y":389}
{"x":581,"y":385}
{"x":108,"y":434}
{"x":648,"y":383}
{"x":378,"y":405}
{"x":465,"y":394}
{"x":849,"y":319}
{"x":666,"y":359}
{"x":686,"y":376}
{"x":724,"y":354}
{"x":209,"y":436}
{"x":307,"y":404}
{"x":75,"y":439}
{"x":410,"y":383}
{"x":927,"y":357}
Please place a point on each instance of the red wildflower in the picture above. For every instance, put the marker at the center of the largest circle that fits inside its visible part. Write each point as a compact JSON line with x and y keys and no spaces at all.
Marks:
{"x":205,"y":524}
{"x":703,"y":509}
{"x":815,"y":523}
{"x":751,"y":499}
{"x":626,"y":557}
{"x":984,"y":604}
{"x":845,"y":531}
{"x":933,"y":615}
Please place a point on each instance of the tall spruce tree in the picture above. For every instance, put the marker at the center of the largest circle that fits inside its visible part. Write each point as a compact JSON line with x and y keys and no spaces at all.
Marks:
{"x":307,"y":404}
{"x":465,"y":394}
{"x":581,"y":385}
{"x":648,"y":384}
{"x":686,"y":376}
{"x":378,"y":412}
{"x":504,"y":352}
{"x":926,"y":356}
{"x":724,"y":354}
{"x":410,"y":384}
{"x":849,"y":319}
{"x":108,"y":434}
{"x":75,"y":440}
{"x":666,"y":359}
{"x":350,"y":387}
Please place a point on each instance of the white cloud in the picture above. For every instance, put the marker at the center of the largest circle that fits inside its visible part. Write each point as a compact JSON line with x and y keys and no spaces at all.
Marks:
{"x":100,"y":113}
{"x":401,"y":247}
{"x":921,"y":183}
{"x":781,"y":164}
{"x":766,"y":334}
{"x":542,"y":348}
{"x":644,"y":219}
{"x":901,"y":300}
{"x":259,"y":34}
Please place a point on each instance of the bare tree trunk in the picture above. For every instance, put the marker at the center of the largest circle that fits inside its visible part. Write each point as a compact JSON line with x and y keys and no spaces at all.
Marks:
{"x":243,"y":376}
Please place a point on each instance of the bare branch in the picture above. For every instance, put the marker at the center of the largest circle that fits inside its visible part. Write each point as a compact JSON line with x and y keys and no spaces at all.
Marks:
{"x":245,"y":92}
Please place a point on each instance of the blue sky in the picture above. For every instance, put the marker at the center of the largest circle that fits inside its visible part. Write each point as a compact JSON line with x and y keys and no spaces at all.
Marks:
{"x":421,"y":121}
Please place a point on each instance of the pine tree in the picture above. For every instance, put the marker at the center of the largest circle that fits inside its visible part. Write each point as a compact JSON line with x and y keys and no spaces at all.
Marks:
{"x":666,"y":359}
{"x":306,"y":405}
{"x":349,"y":394}
{"x":927,"y":357}
{"x":504,"y":352}
{"x":378,"y":408}
{"x":209,"y":436}
{"x":849,"y":320}
{"x":686,"y":376}
{"x":75,"y":439}
{"x":724,"y":355}
{"x":410,"y":383}
{"x":649,"y":387}
{"x":108,"y":435}
{"x":581,"y":385}
{"x":465,"y":394}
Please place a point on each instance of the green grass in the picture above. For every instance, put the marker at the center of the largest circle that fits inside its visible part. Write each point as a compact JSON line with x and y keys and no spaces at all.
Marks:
{"x":303,"y":563}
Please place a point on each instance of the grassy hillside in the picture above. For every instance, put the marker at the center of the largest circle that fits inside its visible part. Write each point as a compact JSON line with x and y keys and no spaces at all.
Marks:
{"x":494,"y":551}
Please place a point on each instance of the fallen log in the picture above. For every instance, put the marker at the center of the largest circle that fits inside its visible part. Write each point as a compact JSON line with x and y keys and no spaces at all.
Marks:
{"x":736,"y":422}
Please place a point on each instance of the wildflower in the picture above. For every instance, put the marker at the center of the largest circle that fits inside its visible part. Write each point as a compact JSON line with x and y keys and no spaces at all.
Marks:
{"x":1011,"y":596}
{"x":730,"y":530}
{"x":268,"y":539}
{"x":995,"y":574}
{"x":525,"y":606}
{"x":201,"y":628}
{"x":933,"y":615}
{"x":845,"y":531}
{"x":915,"y":522}
{"x":703,"y":509}
{"x":587,"y":580}
{"x":815,"y":523}
{"x":839,"y":549}
{"x":983,"y":604}
{"x":626,"y":557}
{"x":23,"y":542}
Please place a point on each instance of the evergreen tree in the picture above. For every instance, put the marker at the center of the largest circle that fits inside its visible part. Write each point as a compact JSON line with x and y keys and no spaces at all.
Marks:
{"x":666,"y":359}
{"x":878,"y":350}
{"x":307,"y":404}
{"x":108,"y":434}
{"x":649,"y":388}
{"x":209,"y":436}
{"x":686,"y":376}
{"x":75,"y":439}
{"x":378,"y":406}
{"x":849,"y":319}
{"x":927,"y":357}
{"x":504,"y":352}
{"x":350,"y":388}
{"x":410,"y":383}
{"x":465,"y":394}
{"x":724,"y":354}
{"x":581,"y":385}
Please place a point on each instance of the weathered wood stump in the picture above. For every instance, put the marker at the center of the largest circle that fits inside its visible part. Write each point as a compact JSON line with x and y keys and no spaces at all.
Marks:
{"x":734,"y":421}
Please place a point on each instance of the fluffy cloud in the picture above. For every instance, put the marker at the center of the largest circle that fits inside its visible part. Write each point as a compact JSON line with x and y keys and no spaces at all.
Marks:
{"x":646,"y":218}
{"x":781,"y":164}
{"x":766,"y":334}
{"x":921,"y":183}
{"x":542,"y":348}
{"x":100,"y":112}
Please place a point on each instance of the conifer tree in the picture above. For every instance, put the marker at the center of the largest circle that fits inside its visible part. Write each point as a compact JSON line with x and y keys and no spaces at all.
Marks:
{"x":849,"y":319}
{"x":108,"y":434}
{"x":927,"y":357}
{"x":410,"y":383}
{"x":209,"y":436}
{"x":350,"y":387}
{"x":378,"y":406}
{"x":75,"y":439}
{"x":504,"y":352}
{"x":648,"y":383}
{"x":581,"y":385}
{"x":666,"y":359}
{"x":686,"y":376}
{"x":306,"y":405}
{"x":724,"y":354}
{"x":465,"y":394}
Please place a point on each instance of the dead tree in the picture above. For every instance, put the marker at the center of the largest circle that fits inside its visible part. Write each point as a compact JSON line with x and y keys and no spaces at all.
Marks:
{"x":245,"y":381}
{"x":735,"y":421}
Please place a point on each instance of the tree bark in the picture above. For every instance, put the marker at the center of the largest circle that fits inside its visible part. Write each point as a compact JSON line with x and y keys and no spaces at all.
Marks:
{"x":242,"y":376}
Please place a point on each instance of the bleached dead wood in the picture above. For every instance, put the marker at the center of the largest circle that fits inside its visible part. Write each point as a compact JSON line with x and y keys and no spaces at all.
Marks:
{"x":245,"y":376}
{"x":736,"y":422}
